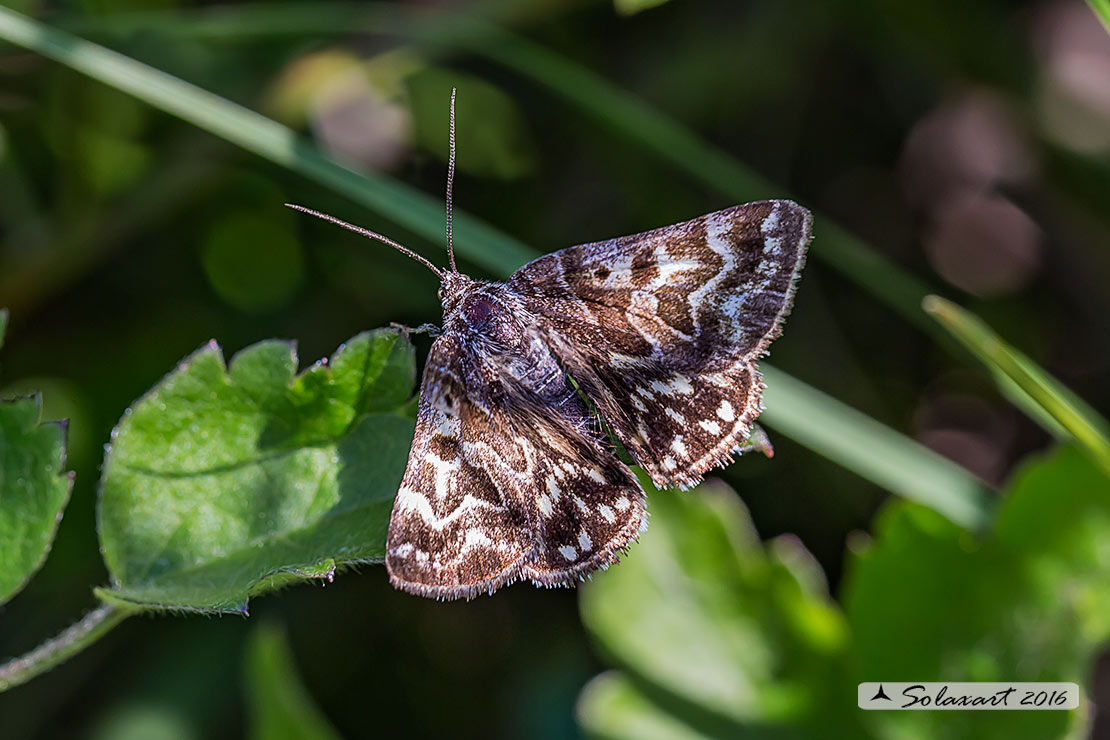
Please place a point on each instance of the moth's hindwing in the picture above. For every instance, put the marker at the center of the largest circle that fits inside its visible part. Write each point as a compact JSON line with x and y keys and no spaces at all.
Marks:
{"x":662,"y":330}
{"x":590,"y":507}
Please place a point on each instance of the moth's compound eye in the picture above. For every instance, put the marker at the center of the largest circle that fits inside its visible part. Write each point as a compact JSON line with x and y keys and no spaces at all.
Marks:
{"x":440,"y":293}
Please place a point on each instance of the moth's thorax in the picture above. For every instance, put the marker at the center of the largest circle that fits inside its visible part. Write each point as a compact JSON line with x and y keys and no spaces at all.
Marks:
{"x":483,"y":312}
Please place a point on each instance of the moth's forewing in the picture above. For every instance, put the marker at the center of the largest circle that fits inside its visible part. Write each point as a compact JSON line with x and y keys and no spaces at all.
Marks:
{"x":662,"y":330}
{"x":455,"y":531}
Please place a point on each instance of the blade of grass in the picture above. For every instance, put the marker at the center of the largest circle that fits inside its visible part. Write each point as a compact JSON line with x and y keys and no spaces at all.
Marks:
{"x":1029,"y":387}
{"x":1101,"y":8}
{"x":870,"y":449}
{"x":592,"y":95}
{"x":269,"y":139}
{"x":855,"y":434}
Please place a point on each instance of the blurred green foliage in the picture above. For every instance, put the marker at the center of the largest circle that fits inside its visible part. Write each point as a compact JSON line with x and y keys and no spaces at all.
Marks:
{"x":709,"y":618}
{"x":142,"y":722}
{"x":253,"y":263}
{"x":280,"y":707}
{"x":1031,"y":599}
{"x":128,"y":239}
{"x":491,"y":132}
{"x":628,"y":7}
{"x":1102,"y":9}
{"x":719,"y":635}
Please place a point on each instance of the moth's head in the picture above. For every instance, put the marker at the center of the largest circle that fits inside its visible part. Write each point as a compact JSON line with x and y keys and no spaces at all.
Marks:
{"x":453,"y":287}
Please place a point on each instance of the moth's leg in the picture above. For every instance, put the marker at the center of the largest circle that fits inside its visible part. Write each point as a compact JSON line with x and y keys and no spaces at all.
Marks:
{"x":430,"y":329}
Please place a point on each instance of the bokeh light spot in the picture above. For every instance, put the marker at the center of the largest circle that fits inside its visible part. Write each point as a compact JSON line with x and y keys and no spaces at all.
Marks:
{"x":973,"y":140}
{"x":984,"y":244}
{"x":252,"y":263}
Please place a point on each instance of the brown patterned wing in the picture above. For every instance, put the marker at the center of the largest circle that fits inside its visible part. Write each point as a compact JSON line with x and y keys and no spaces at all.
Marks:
{"x":662,"y":330}
{"x":502,"y":486}
{"x":454,"y":530}
{"x":589,"y":505}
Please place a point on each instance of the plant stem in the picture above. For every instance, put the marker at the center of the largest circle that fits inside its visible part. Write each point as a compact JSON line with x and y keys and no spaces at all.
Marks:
{"x":71,"y":641}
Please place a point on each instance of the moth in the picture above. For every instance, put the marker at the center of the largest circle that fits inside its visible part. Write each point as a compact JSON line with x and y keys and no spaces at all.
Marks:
{"x":511,"y":475}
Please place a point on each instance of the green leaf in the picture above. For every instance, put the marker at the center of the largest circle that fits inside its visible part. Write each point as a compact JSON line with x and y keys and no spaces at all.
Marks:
{"x":225,"y":482}
{"x":631,"y":7}
{"x":1033,"y":390}
{"x":730,"y":633}
{"x":611,"y":708}
{"x":34,"y":486}
{"x":34,"y":490}
{"x":278,"y":705}
{"x":1031,"y":602}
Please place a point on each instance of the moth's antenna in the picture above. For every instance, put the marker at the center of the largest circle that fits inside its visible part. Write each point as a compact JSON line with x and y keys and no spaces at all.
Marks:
{"x":370,"y":234}
{"x":450,"y":185}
